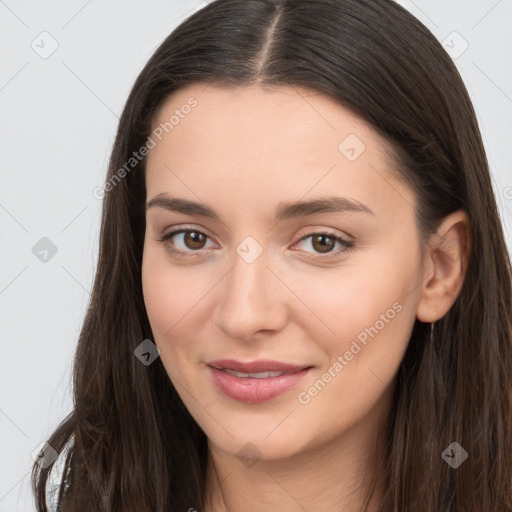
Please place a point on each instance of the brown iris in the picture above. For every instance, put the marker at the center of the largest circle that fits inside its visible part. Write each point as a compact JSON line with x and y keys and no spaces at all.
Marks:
{"x":322,"y":246}
{"x":194,"y":239}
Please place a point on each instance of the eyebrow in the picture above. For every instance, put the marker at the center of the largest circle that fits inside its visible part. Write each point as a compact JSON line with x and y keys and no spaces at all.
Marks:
{"x":284,"y":211}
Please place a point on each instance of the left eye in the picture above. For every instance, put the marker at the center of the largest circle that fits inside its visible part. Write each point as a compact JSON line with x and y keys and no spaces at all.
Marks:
{"x":324,"y":243}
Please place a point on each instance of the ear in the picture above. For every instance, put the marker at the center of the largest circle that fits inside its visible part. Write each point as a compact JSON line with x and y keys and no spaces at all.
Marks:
{"x":445,"y":266}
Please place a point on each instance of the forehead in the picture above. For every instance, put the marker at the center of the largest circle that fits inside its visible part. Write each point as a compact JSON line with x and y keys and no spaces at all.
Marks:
{"x":277,"y":116}
{"x":264,"y":142}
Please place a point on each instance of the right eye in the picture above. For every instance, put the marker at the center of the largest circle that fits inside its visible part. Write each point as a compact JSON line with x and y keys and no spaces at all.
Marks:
{"x":191,"y":241}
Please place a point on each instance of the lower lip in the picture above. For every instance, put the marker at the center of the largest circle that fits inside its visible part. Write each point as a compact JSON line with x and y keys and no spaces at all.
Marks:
{"x":251,"y":390}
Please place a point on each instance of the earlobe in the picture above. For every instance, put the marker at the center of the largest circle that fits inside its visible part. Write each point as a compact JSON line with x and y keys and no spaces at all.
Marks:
{"x":445,"y":267}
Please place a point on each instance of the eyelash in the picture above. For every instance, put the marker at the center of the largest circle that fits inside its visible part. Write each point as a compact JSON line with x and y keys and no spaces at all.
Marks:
{"x":348,"y":246}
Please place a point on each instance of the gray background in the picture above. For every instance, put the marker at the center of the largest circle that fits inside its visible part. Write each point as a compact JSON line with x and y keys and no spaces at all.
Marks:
{"x":59,"y":114}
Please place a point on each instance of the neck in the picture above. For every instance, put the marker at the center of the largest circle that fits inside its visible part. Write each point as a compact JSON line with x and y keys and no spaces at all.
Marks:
{"x":345,"y":474}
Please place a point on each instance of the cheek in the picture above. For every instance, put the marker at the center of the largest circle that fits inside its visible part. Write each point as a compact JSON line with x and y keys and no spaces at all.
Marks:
{"x":158,"y":297}
{"x":372,"y":315}
{"x":175,"y":305}
{"x":165,"y":299}
{"x":369,"y":310}
{"x":164,"y":308}
{"x":165,"y":295}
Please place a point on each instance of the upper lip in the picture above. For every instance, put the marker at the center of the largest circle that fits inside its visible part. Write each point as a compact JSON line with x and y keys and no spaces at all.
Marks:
{"x":262,"y":365}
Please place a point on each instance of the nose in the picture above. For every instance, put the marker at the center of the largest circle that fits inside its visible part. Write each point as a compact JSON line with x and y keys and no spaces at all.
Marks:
{"x":253,"y":300}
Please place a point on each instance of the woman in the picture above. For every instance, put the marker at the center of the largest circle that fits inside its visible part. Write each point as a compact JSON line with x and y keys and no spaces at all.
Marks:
{"x":303,"y":294}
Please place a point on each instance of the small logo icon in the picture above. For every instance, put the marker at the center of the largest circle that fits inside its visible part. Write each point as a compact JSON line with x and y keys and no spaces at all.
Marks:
{"x":249,"y":250}
{"x":454,"y":455}
{"x":44,"y":45}
{"x":249,"y":454}
{"x":455,"y":45}
{"x":44,"y":455}
{"x":146,"y":352}
{"x":44,"y":250}
{"x":351,"y":147}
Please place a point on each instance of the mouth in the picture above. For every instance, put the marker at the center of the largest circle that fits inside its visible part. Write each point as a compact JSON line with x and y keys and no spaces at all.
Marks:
{"x":256,"y":381}
{"x":255,"y":375}
{"x":255,"y":367}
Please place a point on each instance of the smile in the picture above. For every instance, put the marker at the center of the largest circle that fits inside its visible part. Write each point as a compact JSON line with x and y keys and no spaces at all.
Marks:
{"x":255,"y":386}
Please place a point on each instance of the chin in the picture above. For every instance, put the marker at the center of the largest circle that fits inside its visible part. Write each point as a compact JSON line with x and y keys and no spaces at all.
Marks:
{"x":252,"y":447}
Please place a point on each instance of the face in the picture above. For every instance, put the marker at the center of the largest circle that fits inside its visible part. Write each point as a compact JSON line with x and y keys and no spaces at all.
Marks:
{"x":247,"y":276}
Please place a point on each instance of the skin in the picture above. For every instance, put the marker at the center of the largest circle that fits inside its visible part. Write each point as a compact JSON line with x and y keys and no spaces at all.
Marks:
{"x":242,"y":152}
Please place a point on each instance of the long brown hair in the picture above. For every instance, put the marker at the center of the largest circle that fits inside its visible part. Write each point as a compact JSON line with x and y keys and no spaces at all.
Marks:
{"x":135,"y":446}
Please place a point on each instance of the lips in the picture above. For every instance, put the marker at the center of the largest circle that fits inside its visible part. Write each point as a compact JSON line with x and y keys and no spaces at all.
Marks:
{"x":257,"y":381}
